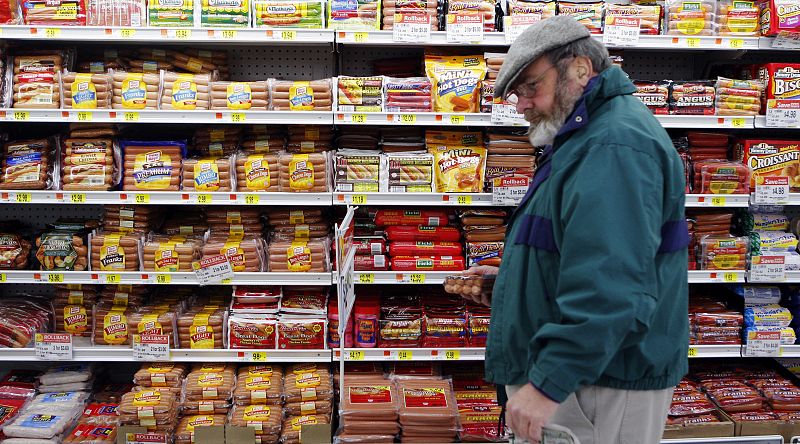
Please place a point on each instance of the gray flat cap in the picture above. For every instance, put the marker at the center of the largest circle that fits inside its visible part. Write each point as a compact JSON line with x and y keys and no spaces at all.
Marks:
{"x":539,"y":38}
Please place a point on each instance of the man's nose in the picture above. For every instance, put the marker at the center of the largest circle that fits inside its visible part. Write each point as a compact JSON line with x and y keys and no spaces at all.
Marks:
{"x":523,"y":103}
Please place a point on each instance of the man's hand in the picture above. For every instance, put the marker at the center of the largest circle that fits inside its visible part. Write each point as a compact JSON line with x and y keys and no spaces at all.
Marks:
{"x":486,"y":275}
{"x":527,"y":411}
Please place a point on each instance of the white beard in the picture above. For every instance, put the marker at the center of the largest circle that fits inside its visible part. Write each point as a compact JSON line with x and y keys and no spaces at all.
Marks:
{"x":543,"y":132}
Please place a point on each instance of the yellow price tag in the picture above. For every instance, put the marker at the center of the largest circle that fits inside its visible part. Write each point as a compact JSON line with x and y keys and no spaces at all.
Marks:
{"x":359,"y":199}
{"x":226,"y":281}
{"x":24,"y":198}
{"x":141,"y":198}
{"x":229,"y":33}
{"x":204,"y":199}
{"x":52,"y":33}
{"x":736,"y":43}
{"x":452,"y":355}
{"x":407,"y":118}
{"x":288,"y":35}
{"x":737,"y":122}
{"x":252,"y":199}
{"x":77,"y":198}
{"x":113,"y":279}
{"x":457,"y":120}
{"x":464,"y":200}
{"x":417,"y":278}
{"x":693,"y":42}
{"x":238,"y":117}
{"x":358,"y":118}
{"x":2,"y":277}
{"x":258,"y":357}
{"x":355,"y":355}
{"x":163,"y":279}
{"x":730,"y":277}
{"x":360,"y":37}
{"x":718,"y":201}
{"x":131,"y":117}
{"x":22,"y":115}
{"x":366,"y":278}
{"x":55,"y":278}
{"x":127,"y":33}
{"x":692,"y":352}
{"x":183,"y":33}
{"x":84,"y":116}
{"x":405,"y":355}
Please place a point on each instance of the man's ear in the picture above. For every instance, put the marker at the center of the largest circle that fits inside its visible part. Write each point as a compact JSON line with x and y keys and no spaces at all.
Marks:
{"x":582,"y":69}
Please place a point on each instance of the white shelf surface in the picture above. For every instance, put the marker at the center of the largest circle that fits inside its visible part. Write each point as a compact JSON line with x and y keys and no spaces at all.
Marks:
{"x":401,"y":277}
{"x":766,"y":439}
{"x":717,"y":200}
{"x":674,"y":42}
{"x":175,"y":36}
{"x":146,"y":277}
{"x":761,"y":122}
{"x":413,"y":199}
{"x":125,"y":354}
{"x":165,"y":198}
{"x":710,"y":122}
{"x":419,"y":118}
{"x":412,"y":354}
{"x":167,"y":116}
{"x":438,"y":38}
{"x":715,"y":351}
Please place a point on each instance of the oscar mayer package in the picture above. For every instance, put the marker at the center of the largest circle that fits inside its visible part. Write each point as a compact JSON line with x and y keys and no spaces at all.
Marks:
{"x":135,"y":90}
{"x":771,"y":158}
{"x":170,"y":253}
{"x":171,"y":13}
{"x":114,"y":252}
{"x":207,"y":174}
{"x":691,"y":17}
{"x":182,"y":91}
{"x":225,"y":13}
{"x":257,"y":172}
{"x":287,"y":95}
{"x":456,"y":82}
{"x":152,"y":166}
{"x":240,"y":95}
{"x":304,"y":173}
{"x":779,"y":16}
{"x":306,"y":14}
{"x":244,"y":253}
{"x":85,"y":90}
{"x":90,"y":164}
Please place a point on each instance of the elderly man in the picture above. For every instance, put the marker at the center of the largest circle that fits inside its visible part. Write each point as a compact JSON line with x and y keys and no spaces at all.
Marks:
{"x":589,"y":328}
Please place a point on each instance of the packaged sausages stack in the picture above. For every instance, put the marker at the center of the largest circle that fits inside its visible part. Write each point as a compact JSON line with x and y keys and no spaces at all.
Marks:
{"x":494,"y":61}
{"x":257,"y":172}
{"x":90,"y":164}
{"x":201,"y":327}
{"x":135,"y":90}
{"x":421,"y":240}
{"x":162,"y":376}
{"x":362,"y":16}
{"x":708,"y":146}
{"x":445,"y":321}
{"x":217,"y":140}
{"x":702,"y":223}
{"x":28,"y":165}
{"x":359,"y":171}
{"x":369,"y":411}
{"x":209,"y":389}
{"x":163,"y":13}
{"x":74,"y":310}
{"x":306,"y":14}
{"x":302,"y":323}
{"x":17,"y":251}
{"x":299,"y":224}
{"x":207,"y":174}
{"x":690,"y":19}
{"x":391,"y":8}
{"x":690,"y":406}
{"x":412,"y":94}
{"x":721,"y":177}
{"x":152,"y":166}
{"x":287,"y":95}
{"x":649,"y":16}
{"x":738,"y":19}
{"x":589,"y":15}
{"x":86,"y":90}
{"x":305,"y":383}
{"x":185,"y":91}
{"x":111,"y":324}
{"x":484,"y":8}
{"x":692,"y":98}
{"x":492,"y":224}
{"x":310,"y":139}
{"x":244,"y":253}
{"x":712,"y":322}
{"x":234,"y":221}
{"x":155,"y":409}
{"x":360,"y":94}
{"x":478,"y":408}
{"x":304,"y":173}
{"x":131,"y":13}
{"x":253,"y":324}
{"x":723,"y":252}
{"x":738,"y":97}
{"x":35,"y":80}
{"x":259,"y":385}
{"x":170,"y":253}
{"x":262,"y":139}
{"x":131,"y":219}
{"x":654,"y":94}
{"x":428,"y":410}
{"x":154,"y":320}
{"x":240,"y":95}
{"x":63,"y":250}
{"x":115,"y":252}
{"x":235,"y":14}
{"x":536,"y":10}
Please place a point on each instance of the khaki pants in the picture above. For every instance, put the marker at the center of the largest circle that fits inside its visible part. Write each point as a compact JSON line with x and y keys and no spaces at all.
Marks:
{"x":600,"y":415}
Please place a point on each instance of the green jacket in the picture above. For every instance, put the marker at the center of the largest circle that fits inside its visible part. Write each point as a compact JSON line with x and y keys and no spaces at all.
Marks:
{"x":593,"y":285}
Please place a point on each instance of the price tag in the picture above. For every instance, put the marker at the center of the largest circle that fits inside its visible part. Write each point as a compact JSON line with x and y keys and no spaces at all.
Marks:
{"x":84,"y":116}
{"x":787,"y":40}
{"x":252,"y":199}
{"x":183,"y":34}
{"x":692,"y":42}
{"x":411,"y":28}
{"x":204,"y":199}
{"x":258,"y":357}
{"x":213,"y":269}
{"x":509,"y":191}
{"x":24,"y":197}
{"x":464,"y":200}
{"x":358,"y":118}
{"x":55,"y":278}
{"x":692,"y":352}
{"x":288,"y":35}
{"x":2,"y":277}
{"x":112,"y":279}
{"x":142,"y":198}
{"x":718,"y":201}
{"x":730,"y":277}
{"x":514,"y":25}
{"x":163,"y":279}
{"x":783,"y":113}
{"x":53,"y":346}
{"x":457,"y":120}
{"x":360,"y":37}
{"x":229,"y":33}
{"x":624,"y":31}
{"x":358,"y":199}
{"x":366,"y":278}
{"x":768,"y":269}
{"x":452,"y":355}
{"x":506,"y":114}
{"x":417,"y":278}
{"x":464,"y":27}
{"x":238,"y":117}
{"x":52,"y":33}
{"x":355,"y":355}
{"x":130,"y":117}
{"x":772,"y":190}
{"x":738,"y":122}
{"x":145,"y":438}
{"x":22,"y":116}
{"x":127,"y":33}
{"x":408,"y":119}
{"x":151,"y":347}
{"x":405,"y":355}
{"x":736,"y":43}
{"x":763,"y":343}
{"x":77,"y":198}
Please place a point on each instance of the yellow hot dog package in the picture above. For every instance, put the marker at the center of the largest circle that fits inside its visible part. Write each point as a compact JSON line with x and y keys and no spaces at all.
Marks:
{"x":456,"y":82}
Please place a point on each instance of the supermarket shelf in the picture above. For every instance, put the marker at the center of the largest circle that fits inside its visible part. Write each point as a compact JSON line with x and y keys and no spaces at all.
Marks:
{"x":681,"y":43}
{"x":413,"y":199}
{"x":166,"y":116}
{"x":761,"y":122}
{"x":438,"y":38}
{"x":713,"y":122}
{"x":706,"y":276}
{"x":139,"y":277}
{"x":790,"y":351}
{"x":715,"y":351}
{"x":164,"y":198}
{"x":716,"y":200}
{"x":124,"y":354}
{"x":466,"y":119}
{"x":765,"y":43}
{"x":213,"y":36}
{"x":416,"y":354}
{"x":401,"y":277}
{"x":766,"y":439}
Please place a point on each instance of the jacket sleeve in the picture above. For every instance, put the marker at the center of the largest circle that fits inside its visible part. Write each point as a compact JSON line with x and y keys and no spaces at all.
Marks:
{"x":611,"y":217}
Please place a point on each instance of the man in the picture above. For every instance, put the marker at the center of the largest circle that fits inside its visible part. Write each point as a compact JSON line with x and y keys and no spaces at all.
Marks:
{"x":589,"y":328}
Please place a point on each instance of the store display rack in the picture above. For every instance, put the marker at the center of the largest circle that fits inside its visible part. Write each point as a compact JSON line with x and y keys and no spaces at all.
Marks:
{"x":124,"y":354}
{"x":143,"y":277}
{"x":165,"y":198}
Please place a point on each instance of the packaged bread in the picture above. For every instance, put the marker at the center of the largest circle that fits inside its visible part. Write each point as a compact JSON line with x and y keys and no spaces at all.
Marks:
{"x":207,"y":174}
{"x":160,"y":374}
{"x":134,"y":90}
{"x":258,"y":386}
{"x":86,"y":90}
{"x":207,"y":386}
{"x":691,"y":18}
{"x":257,"y":172}
{"x":89,"y":164}
{"x":244,"y":254}
{"x":299,"y":256}
{"x":306,"y":14}
{"x":35,"y":80}
{"x":111,"y":325}
{"x":152,"y":166}
{"x":202,"y":327}
{"x":62,"y":250}
{"x":27,"y":165}
{"x":456,"y":82}
{"x":265,"y":420}
{"x":148,"y":408}
{"x":304,"y":173}
{"x":185,"y":91}
{"x":240,"y":95}
{"x":115,"y":252}
{"x":170,"y":253}
{"x":287,"y":95}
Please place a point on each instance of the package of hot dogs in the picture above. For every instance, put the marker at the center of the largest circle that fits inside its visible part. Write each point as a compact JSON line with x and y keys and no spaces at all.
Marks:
{"x":28,"y":165}
{"x":152,"y":166}
{"x":287,"y":95}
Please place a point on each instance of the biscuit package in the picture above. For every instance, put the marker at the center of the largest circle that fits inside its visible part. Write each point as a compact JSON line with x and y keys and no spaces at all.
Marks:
{"x":456,"y":82}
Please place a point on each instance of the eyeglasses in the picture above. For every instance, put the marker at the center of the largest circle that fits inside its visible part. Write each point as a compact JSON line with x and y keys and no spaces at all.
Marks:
{"x":527,"y":90}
